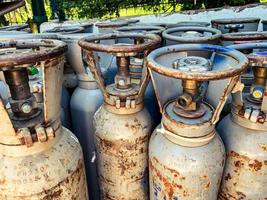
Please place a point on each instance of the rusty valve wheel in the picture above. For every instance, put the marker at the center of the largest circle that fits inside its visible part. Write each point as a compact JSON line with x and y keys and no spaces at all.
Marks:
{"x":124,"y":93}
{"x":243,"y":37}
{"x":238,"y":61}
{"x":16,"y":56}
{"x":28,"y":51}
{"x":249,"y":47}
{"x":92,"y":43}
{"x":191,"y":34}
{"x":66,"y":29}
{"x":186,"y":63}
{"x":142,"y":29}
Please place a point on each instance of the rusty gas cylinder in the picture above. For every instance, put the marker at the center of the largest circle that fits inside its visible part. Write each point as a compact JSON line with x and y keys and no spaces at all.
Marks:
{"x":186,"y":155}
{"x":39,"y":159}
{"x":122,"y":124}
{"x":244,"y":133}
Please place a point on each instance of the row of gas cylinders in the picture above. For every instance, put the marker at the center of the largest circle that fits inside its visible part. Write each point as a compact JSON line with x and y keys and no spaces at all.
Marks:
{"x":148,"y":106}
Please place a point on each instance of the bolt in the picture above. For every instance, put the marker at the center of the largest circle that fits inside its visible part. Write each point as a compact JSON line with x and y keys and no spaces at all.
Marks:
{"x":26,"y":108}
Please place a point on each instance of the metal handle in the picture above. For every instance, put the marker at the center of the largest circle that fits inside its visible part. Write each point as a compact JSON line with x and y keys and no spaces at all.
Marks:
{"x":217,"y":74}
{"x":171,"y":34}
{"x":194,"y":69}
{"x":122,"y":51}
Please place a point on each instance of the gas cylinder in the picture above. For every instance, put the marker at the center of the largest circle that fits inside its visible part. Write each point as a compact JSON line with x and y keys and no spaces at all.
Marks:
{"x":85,"y":101}
{"x":186,"y":155}
{"x":136,"y":66}
{"x":243,"y":37}
{"x":191,"y":34}
{"x":264,"y":25}
{"x":244,"y":133}
{"x":230,"y":25}
{"x":39,"y":159}
{"x":122,"y":124}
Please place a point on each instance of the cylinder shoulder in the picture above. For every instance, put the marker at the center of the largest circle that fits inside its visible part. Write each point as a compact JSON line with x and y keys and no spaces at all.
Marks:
{"x":239,"y":139}
{"x":115,"y":126}
{"x":175,"y":155}
{"x":43,"y":170}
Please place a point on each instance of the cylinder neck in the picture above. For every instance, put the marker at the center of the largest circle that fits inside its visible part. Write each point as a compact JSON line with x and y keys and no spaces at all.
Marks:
{"x":22,"y":101}
{"x":192,"y":130}
{"x":18,"y":83}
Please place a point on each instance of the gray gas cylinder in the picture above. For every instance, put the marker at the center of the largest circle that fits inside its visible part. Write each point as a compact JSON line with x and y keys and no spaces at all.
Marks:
{"x":230,"y":25}
{"x":85,"y":101}
{"x":186,"y":155}
{"x":244,"y":133}
{"x":122,"y":124}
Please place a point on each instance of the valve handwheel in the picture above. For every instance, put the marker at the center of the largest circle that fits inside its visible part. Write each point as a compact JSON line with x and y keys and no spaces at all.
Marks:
{"x":181,"y":62}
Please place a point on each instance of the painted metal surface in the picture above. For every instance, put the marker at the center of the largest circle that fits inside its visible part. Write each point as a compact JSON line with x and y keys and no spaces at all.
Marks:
{"x":122,"y":154}
{"x":246,"y":164}
{"x":54,"y":170}
{"x":84,"y":103}
{"x":178,"y":172}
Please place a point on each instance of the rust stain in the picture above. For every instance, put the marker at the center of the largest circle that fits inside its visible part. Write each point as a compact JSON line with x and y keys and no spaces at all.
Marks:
{"x":206,"y":185}
{"x":227,"y":177}
{"x":255,"y":165}
{"x":240,"y":164}
{"x":169,"y":185}
{"x":68,"y":187}
{"x":263,"y":147}
{"x":115,"y":147}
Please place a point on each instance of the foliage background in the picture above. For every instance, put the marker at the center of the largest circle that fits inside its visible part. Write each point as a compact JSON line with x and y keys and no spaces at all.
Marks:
{"x":86,"y":9}
{"x":115,"y":8}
